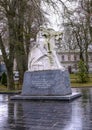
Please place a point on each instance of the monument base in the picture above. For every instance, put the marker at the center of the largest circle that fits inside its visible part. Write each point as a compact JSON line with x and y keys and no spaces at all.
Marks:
{"x":46,"y":84}
{"x":58,"y":98}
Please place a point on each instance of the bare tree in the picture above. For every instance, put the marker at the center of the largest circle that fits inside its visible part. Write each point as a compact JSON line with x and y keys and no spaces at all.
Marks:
{"x":20,"y":20}
{"x":7,"y":18}
{"x":14,"y":19}
{"x":78,"y":20}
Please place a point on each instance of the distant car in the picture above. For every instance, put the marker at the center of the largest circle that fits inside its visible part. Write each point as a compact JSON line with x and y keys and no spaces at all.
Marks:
{"x":16,"y":75}
{"x":74,"y":71}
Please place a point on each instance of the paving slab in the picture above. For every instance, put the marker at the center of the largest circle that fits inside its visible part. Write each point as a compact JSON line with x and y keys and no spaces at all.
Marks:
{"x":47,"y":115}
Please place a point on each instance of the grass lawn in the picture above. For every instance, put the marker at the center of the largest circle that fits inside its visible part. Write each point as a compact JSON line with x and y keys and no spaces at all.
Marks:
{"x":4,"y":89}
{"x":89,"y":84}
{"x":74,"y":82}
{"x":73,"y":79}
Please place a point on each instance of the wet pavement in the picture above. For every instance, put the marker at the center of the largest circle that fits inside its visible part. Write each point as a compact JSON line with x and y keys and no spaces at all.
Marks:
{"x":47,"y":115}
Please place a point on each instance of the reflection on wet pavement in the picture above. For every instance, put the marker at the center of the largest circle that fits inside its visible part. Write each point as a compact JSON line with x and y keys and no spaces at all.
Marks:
{"x":47,"y":115}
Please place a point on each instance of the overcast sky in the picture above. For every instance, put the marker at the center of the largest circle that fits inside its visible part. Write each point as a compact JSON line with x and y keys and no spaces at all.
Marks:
{"x":56,"y":19}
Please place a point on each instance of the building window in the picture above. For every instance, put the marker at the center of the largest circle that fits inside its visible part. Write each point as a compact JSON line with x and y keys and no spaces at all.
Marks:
{"x":69,"y":57}
{"x":63,"y":58}
{"x":75,"y":58}
{"x":75,"y":66}
{"x":90,"y":58}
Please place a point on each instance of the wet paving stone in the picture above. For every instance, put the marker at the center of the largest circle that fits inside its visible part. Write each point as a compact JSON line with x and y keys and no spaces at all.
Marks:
{"x":47,"y":115}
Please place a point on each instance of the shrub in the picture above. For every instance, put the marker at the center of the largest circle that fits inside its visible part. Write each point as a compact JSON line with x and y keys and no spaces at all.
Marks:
{"x":82,"y":72}
{"x":4,"y":79}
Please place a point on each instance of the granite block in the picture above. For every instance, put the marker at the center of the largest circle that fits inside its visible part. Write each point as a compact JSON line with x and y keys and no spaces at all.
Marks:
{"x":46,"y":82}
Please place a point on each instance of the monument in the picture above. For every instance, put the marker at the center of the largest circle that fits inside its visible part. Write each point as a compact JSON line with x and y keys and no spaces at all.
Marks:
{"x":46,"y":78}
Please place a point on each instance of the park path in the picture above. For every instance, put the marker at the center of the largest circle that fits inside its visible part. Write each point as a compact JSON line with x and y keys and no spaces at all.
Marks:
{"x":47,"y":115}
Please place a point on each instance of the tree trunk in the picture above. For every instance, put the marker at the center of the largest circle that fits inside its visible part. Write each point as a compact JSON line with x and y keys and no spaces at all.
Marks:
{"x":21,"y":62}
{"x":10,"y":80}
{"x":81,"y":55}
{"x":86,"y":58}
{"x":21,"y":57}
{"x":9,"y":66}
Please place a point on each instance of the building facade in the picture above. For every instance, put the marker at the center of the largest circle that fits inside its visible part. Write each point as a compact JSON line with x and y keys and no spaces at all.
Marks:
{"x":70,"y":59}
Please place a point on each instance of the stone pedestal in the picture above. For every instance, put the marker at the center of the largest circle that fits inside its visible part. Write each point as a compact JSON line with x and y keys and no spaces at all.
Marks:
{"x":46,"y":84}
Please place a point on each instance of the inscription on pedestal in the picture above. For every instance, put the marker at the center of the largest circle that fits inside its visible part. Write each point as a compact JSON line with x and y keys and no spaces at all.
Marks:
{"x":42,"y":81}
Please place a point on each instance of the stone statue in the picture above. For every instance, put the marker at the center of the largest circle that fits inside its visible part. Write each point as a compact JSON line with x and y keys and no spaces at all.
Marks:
{"x":52,"y":82}
{"x":43,"y":55}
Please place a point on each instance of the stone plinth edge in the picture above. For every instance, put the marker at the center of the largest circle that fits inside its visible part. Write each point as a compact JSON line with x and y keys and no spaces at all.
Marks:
{"x":58,"y":98}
